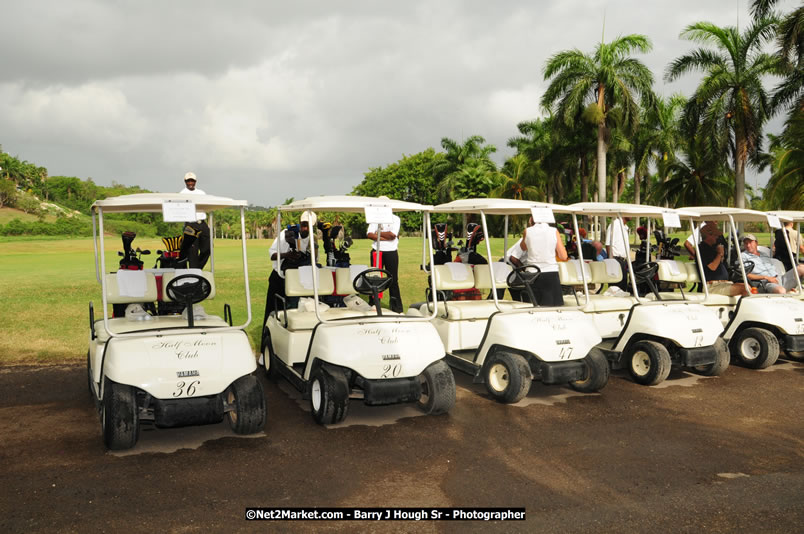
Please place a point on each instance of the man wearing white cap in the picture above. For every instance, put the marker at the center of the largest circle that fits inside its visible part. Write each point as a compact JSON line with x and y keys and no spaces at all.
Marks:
{"x":195,"y":245}
{"x":764,"y":275}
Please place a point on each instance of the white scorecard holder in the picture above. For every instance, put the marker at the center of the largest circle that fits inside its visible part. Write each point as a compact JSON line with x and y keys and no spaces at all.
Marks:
{"x":774,"y":222}
{"x":542,"y":215}
{"x":179,"y":210}
{"x":378,"y":214}
{"x":671,"y":220}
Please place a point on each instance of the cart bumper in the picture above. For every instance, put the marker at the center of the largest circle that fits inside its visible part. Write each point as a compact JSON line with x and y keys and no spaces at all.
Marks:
{"x":559,"y":372}
{"x":391,"y":391}
{"x":697,"y":356}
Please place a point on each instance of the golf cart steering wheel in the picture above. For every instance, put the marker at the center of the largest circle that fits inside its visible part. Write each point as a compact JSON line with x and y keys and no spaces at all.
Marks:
{"x":646,"y":271}
{"x":372,"y":285}
{"x":734,"y":270}
{"x":521,"y":277}
{"x":368,"y":285}
{"x":188,"y":289}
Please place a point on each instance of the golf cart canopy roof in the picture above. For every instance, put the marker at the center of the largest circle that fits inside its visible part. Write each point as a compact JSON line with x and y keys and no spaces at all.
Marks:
{"x":495,"y":206}
{"x":152,"y":202}
{"x":347,"y":203}
{"x":786,"y":215}
{"x":611,"y":209}
{"x":715,"y":213}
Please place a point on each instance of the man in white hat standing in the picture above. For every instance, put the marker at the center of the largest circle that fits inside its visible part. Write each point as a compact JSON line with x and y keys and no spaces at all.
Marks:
{"x":195,"y":246}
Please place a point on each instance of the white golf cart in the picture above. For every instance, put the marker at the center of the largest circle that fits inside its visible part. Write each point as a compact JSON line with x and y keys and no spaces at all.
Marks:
{"x":647,"y":335}
{"x":169,"y":370}
{"x":508,"y":344}
{"x":334,"y":354}
{"x":755,"y":326}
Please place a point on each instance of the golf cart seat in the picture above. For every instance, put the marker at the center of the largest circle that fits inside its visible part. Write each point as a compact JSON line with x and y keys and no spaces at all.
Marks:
{"x":672,"y":271}
{"x":607,"y":271}
{"x":470,"y":310}
{"x":130,"y":287}
{"x":454,"y":275}
{"x":299,"y":282}
{"x":692,"y":272}
{"x":780,"y":270}
{"x":344,"y":279}
{"x":483,"y":278}
{"x":569,"y":272}
{"x":169,"y":276}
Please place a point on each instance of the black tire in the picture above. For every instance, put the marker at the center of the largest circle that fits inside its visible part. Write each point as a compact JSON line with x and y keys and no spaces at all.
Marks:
{"x":597,"y":373}
{"x":438,"y":389}
{"x":795,"y":355}
{"x":89,"y":382}
{"x":247,"y":402}
{"x":120,"y":421}
{"x":269,"y":362}
{"x":648,"y":362}
{"x":721,"y":363}
{"x":329,"y":396}
{"x":755,"y":348}
{"x":508,"y":377}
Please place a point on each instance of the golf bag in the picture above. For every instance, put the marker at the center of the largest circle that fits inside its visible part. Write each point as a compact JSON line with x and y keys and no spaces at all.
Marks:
{"x":468,"y":254}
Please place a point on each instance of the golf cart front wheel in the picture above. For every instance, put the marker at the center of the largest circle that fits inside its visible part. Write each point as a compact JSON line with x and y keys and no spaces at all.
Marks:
{"x":329,"y":396}
{"x":597,"y":373}
{"x":648,"y":362}
{"x":508,"y":377}
{"x":755,"y":348}
{"x":721,"y":362}
{"x":246,"y":401}
{"x":438,"y":389}
{"x":120,"y":421}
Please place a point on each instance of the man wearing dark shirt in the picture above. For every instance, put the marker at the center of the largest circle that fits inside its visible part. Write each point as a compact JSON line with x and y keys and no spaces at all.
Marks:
{"x":715,"y":273}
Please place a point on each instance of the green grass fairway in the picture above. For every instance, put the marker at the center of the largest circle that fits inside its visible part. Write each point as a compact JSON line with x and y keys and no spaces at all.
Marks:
{"x":46,"y":287}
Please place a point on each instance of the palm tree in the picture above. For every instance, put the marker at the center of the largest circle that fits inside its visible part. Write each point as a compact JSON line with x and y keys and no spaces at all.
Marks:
{"x":730,"y":99}
{"x":520,"y":179}
{"x":785,"y":189}
{"x":595,"y":84}
{"x":457,"y":155}
{"x":697,"y":180}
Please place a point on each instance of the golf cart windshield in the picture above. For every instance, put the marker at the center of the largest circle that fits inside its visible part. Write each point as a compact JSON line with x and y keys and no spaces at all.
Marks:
{"x":353,"y":204}
{"x":732,"y":216}
{"x":506,"y":207}
{"x":166,"y":203}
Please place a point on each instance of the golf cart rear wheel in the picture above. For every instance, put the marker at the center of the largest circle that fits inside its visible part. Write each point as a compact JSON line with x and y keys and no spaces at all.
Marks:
{"x":721,"y":363}
{"x":648,"y":362}
{"x":438,"y":389}
{"x":329,"y":396}
{"x":508,"y":377}
{"x":755,"y":348}
{"x":597,"y":373}
{"x":119,"y":416}
{"x":247,"y":402}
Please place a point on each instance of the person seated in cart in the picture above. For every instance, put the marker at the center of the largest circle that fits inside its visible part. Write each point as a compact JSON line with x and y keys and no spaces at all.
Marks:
{"x":288,"y":251}
{"x":764,"y":273}
{"x":780,"y":251}
{"x":544,"y":246}
{"x":712,"y":255}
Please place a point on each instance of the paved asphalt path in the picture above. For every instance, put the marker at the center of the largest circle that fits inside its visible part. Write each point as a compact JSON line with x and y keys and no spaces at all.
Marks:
{"x":694,"y":454}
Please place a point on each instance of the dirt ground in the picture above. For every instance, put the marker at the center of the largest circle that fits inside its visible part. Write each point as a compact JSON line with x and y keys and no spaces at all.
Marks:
{"x":690,"y":455}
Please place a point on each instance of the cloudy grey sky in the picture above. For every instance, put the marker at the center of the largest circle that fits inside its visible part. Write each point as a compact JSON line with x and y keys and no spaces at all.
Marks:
{"x":267,"y":100}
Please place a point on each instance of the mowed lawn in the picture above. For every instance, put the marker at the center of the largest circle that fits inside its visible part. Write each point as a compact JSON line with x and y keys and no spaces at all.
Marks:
{"x":46,"y":286}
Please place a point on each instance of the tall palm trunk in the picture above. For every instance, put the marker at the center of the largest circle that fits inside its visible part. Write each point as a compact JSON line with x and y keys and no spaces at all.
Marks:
{"x":637,"y":179}
{"x":739,"y":168}
{"x":601,"y":162}
{"x":584,"y":179}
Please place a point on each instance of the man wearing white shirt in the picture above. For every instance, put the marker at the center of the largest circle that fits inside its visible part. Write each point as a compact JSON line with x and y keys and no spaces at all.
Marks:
{"x":195,"y":245}
{"x":616,"y":248}
{"x":388,"y":235}
{"x":286,"y":251}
